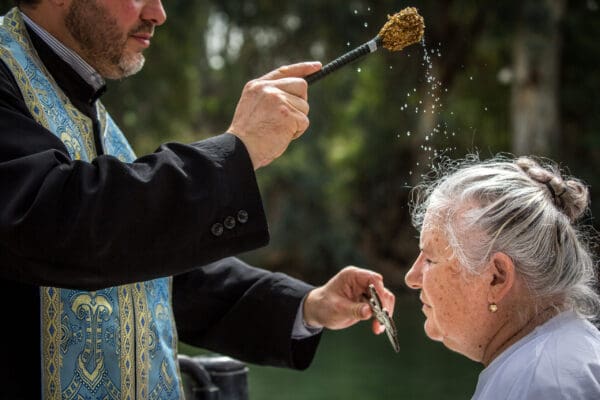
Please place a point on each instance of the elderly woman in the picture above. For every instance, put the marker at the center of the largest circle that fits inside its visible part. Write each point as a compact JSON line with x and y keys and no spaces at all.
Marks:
{"x":506,"y":278}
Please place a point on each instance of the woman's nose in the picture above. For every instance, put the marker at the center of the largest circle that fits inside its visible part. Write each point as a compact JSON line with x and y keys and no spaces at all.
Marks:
{"x":413,"y":276}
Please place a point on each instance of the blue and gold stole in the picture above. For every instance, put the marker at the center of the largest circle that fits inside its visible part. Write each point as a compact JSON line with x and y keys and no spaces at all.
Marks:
{"x":114,"y":343}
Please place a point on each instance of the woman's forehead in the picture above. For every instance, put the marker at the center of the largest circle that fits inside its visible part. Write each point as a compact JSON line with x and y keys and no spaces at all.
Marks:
{"x":433,"y":239}
{"x":432,"y":226}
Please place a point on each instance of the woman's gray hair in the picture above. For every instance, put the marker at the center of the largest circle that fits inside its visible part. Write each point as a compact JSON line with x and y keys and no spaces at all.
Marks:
{"x":521,"y":207}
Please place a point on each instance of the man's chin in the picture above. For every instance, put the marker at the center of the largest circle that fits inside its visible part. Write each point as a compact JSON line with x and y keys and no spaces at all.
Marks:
{"x":126,"y":67}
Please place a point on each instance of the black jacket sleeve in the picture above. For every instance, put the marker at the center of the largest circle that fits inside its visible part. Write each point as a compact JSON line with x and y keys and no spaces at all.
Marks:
{"x":232,"y":308}
{"x":89,"y":225}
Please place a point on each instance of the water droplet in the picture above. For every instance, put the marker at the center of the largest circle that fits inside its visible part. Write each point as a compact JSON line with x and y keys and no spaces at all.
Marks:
{"x":366,"y":24}
{"x":348,"y":44}
{"x":407,"y":133}
{"x":355,"y":12}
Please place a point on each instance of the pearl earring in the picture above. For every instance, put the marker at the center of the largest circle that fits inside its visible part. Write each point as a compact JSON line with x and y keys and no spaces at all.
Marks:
{"x":493,"y":307}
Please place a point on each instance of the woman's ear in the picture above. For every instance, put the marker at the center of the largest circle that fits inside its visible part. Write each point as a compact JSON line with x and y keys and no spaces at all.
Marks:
{"x":503,"y":276}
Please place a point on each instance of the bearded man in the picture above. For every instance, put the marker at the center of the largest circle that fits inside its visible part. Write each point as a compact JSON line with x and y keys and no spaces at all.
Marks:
{"x":101,"y":251}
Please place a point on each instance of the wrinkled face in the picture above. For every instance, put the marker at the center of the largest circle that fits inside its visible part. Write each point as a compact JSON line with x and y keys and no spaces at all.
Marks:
{"x":111,"y":34}
{"x":454,"y":301}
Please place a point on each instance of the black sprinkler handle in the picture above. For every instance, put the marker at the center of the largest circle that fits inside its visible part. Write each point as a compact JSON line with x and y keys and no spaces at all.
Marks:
{"x":353,"y":55}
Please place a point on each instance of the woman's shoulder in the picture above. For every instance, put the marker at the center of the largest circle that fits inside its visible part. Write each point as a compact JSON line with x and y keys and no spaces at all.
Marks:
{"x":568,"y":336}
{"x":563,"y":343}
{"x":560,"y":358}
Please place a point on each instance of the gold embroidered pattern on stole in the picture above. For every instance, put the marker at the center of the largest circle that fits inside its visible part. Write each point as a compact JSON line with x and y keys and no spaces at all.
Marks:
{"x":136,"y":338}
{"x":84,"y":125}
{"x":127,"y":338}
{"x":168,"y":380}
{"x":51,"y":303}
{"x":13,"y":22}
{"x":175,"y":336}
{"x":143,"y":339}
{"x":15,"y":25}
{"x":31,"y":100}
{"x":94,"y":309}
{"x":162,"y":312}
{"x":51,"y":330}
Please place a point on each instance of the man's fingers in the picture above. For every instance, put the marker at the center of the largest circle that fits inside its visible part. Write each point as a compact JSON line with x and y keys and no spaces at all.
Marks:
{"x":297,"y":103}
{"x":361,"y":311}
{"x":388,"y":299}
{"x":377,"y":327}
{"x":298,"y":109}
{"x":364,"y":276}
{"x":298,"y":70}
{"x":293,"y":86}
{"x":377,"y":281}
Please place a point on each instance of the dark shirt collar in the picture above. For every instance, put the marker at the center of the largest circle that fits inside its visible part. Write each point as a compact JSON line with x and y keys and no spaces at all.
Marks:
{"x":80,"y":82}
{"x":86,"y":71}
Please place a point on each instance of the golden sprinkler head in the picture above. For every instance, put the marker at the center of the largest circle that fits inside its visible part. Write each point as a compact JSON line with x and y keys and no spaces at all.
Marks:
{"x":402,"y":29}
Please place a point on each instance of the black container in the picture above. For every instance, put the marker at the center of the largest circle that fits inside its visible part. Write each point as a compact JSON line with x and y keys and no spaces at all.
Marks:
{"x":213,"y":378}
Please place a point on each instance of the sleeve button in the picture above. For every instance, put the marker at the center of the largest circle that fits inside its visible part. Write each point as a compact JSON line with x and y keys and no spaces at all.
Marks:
{"x":229,"y":222}
{"x":242,"y":216}
{"x":217,"y":229}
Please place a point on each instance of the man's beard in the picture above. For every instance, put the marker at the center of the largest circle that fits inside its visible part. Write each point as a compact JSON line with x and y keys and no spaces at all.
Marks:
{"x":101,"y":41}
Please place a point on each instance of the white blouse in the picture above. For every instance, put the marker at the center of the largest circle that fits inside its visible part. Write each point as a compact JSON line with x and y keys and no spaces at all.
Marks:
{"x":557,"y":360}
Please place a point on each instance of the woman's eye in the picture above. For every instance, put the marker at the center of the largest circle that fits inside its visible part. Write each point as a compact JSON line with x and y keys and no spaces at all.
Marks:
{"x":429,"y":261}
{"x":426,"y":261}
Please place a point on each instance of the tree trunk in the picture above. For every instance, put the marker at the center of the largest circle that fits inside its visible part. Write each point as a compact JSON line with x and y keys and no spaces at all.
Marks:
{"x":534,"y":108}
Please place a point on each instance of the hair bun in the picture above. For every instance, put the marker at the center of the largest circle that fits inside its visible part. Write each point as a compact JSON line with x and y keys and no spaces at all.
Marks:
{"x":571,"y":196}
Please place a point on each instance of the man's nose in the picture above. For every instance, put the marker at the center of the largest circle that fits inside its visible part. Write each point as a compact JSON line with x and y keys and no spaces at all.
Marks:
{"x":154,"y":12}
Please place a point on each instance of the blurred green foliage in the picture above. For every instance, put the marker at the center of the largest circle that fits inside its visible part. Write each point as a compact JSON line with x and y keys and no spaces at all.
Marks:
{"x":338,"y":196}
